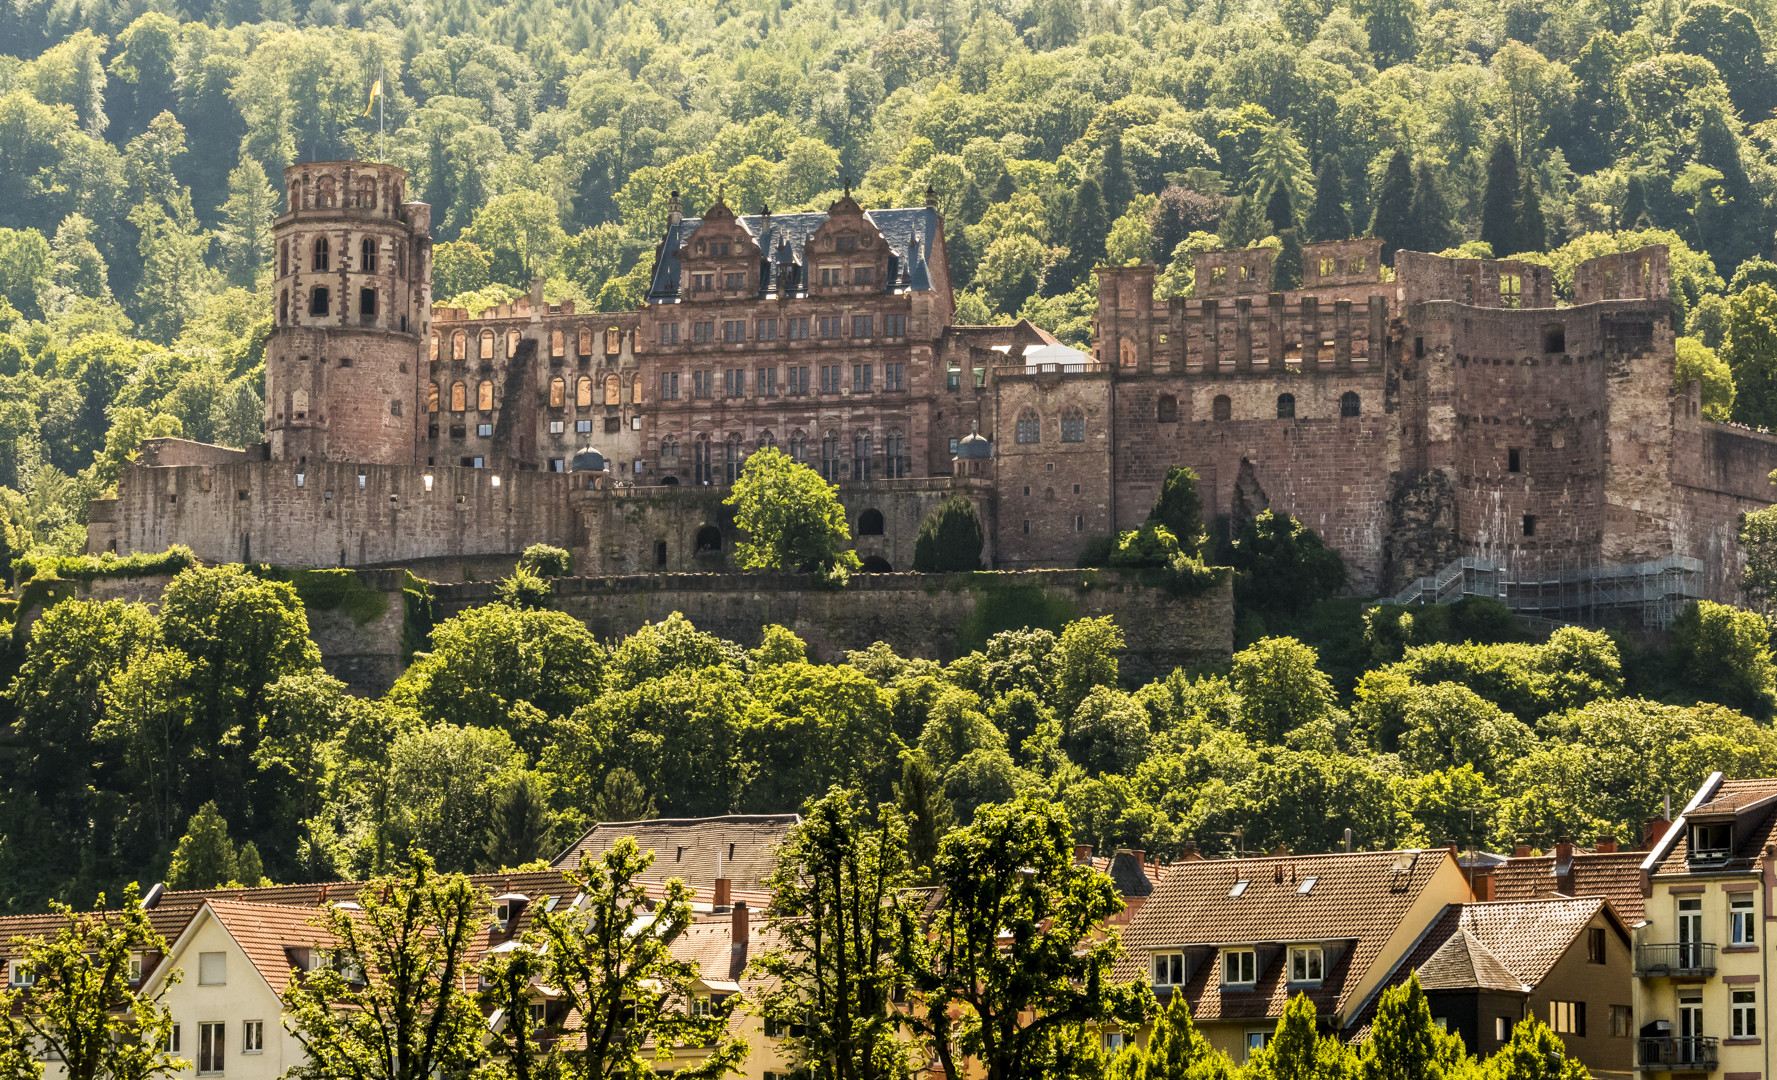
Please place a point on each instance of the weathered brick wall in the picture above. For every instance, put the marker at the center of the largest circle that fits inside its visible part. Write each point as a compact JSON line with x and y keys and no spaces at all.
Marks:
{"x":1054,"y":496}
{"x":259,"y":512}
{"x":1722,"y":472}
{"x":934,"y":616}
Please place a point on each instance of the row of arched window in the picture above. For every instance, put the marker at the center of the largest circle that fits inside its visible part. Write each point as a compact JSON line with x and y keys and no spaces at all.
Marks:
{"x":1350,"y":406}
{"x":1028,"y":430}
{"x":320,"y":256}
{"x":584,"y":388}
{"x":487,"y":341}
{"x":459,"y":396}
{"x":326,"y":191}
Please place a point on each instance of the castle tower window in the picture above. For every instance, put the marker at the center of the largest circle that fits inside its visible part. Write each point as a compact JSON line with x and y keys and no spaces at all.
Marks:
{"x":459,"y":346}
{"x":459,"y":397}
{"x":367,"y":193}
{"x":669,"y":448}
{"x":585,"y":342}
{"x":799,"y":447}
{"x":1286,"y":406}
{"x":830,"y":456}
{"x":295,"y":195}
{"x":1029,"y":429}
{"x":284,"y":306}
{"x":324,"y":193}
{"x":635,"y":390}
{"x":1223,"y":408}
{"x":433,"y":349}
{"x":484,"y":396}
{"x":733,"y":458}
{"x":323,"y":254}
{"x":431,"y":397}
{"x":870,"y":523}
{"x":367,"y":303}
{"x":613,"y":386}
{"x":1073,"y":425}
{"x":395,"y":407}
{"x":558,"y":392}
{"x":860,"y":456}
{"x":1529,"y":524}
{"x":557,"y":343}
{"x":487,"y":344}
{"x":1166,"y":409}
{"x":613,"y":341}
{"x":367,"y":256}
{"x":767,"y":441}
{"x":1555,"y":338}
{"x":1350,"y":405}
{"x":700,"y":460}
{"x":319,"y":302}
{"x":511,"y":344}
{"x":283,"y":257}
{"x":1514,"y":460}
{"x":583,"y":392}
{"x":894,"y":451}
{"x":299,"y":404}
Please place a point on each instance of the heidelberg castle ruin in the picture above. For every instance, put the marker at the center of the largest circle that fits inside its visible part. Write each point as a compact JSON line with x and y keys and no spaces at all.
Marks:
{"x":1451,"y":410}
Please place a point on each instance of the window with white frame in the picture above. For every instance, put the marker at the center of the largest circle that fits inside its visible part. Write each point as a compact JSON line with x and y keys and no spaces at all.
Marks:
{"x":1744,"y":1019}
{"x":19,"y":973}
{"x":212,"y":969}
{"x":1113,"y":1041}
{"x":173,"y":1040}
{"x":1256,"y":1040}
{"x":1741,"y":923}
{"x":135,"y":967}
{"x":1169,"y":969}
{"x":1239,"y":967}
{"x":211,"y":1039}
{"x":253,"y":1037}
{"x":1307,"y":962}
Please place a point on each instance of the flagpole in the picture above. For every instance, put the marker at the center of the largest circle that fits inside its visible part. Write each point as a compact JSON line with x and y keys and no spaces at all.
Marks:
{"x":381,"y":148}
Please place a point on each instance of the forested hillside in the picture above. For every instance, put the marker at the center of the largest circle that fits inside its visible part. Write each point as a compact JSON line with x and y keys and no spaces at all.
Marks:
{"x":144,"y":143}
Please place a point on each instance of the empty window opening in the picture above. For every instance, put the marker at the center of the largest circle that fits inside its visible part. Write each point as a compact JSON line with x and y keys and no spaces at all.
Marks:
{"x":1350,"y":405}
{"x":1529,"y":524}
{"x":709,"y":539}
{"x":1223,"y":409}
{"x":660,"y":553}
{"x":1514,"y":460}
{"x":1554,"y":339}
{"x":1286,"y":406}
{"x":1166,"y":409}
{"x":367,"y":303}
{"x":319,"y":302}
{"x":870,"y":523}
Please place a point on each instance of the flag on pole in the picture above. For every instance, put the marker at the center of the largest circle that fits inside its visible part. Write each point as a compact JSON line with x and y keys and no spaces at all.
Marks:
{"x":376,"y":89}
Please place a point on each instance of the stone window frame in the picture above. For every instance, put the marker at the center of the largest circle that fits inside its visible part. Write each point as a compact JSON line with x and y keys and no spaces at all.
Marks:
{"x":1286,"y":406}
{"x":1028,"y":429}
{"x":1073,"y":425}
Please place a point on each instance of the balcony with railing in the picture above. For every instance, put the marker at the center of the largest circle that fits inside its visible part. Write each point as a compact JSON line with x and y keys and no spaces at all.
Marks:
{"x":1685,"y":959}
{"x":1682,"y":1054}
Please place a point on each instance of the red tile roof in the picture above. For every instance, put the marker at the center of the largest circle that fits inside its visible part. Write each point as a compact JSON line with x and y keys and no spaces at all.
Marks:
{"x":1614,"y":875}
{"x":1755,"y":826}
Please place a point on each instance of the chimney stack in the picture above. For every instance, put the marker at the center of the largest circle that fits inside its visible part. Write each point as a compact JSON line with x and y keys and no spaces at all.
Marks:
{"x":1082,"y":853}
{"x":741,"y":926}
{"x":1606,"y":845}
{"x":1141,"y":856}
{"x":1653,"y":831}
{"x":1522,"y":851}
{"x":724,"y":892}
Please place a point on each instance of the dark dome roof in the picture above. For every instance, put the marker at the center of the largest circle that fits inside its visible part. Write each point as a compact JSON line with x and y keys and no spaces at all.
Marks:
{"x":974,"y":446}
{"x":588,"y":460}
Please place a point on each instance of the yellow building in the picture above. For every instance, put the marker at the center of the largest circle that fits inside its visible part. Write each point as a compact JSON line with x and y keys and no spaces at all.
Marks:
{"x":1701,"y":1003}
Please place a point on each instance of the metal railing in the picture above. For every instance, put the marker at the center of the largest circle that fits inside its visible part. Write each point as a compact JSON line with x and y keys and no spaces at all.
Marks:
{"x":1697,"y":1053}
{"x":1685,"y":958}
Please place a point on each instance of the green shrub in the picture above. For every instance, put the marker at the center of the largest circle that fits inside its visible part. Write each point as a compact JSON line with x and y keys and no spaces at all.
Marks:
{"x":1180,"y":509}
{"x":105,"y":565}
{"x":544,"y":560}
{"x":1281,"y":565}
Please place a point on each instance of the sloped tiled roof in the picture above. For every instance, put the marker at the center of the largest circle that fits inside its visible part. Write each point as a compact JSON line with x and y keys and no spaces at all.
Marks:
{"x":266,"y":931}
{"x":1523,"y":939}
{"x":1614,"y":875}
{"x":1357,"y":901}
{"x":1461,"y":962}
{"x":689,"y":848}
{"x":1755,"y":826}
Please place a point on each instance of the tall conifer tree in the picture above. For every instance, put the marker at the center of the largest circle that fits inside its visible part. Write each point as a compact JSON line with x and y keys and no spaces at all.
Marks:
{"x":1329,"y":220}
{"x":1533,"y":228}
{"x":1499,"y":200}
{"x":1429,"y":222}
{"x":1394,"y":204}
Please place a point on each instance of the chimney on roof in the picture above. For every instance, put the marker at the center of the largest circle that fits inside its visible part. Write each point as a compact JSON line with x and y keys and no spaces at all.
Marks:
{"x":1141,"y":856}
{"x":931,"y":195}
{"x":1521,"y":851}
{"x":149,"y":901}
{"x":322,"y":898}
{"x":1606,"y":845}
{"x":1280,"y":851}
{"x":1082,"y":853}
{"x":1191,"y":853}
{"x":740,"y":926}
{"x":1653,"y":831}
{"x":724,"y":893}
{"x":1564,"y":869}
{"x":1455,"y":851}
{"x":674,"y":213}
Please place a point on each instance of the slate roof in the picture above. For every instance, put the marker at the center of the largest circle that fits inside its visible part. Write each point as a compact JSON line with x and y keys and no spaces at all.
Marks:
{"x":1614,"y":875}
{"x":900,"y":227}
{"x":1462,"y":962}
{"x":1755,"y":825}
{"x":689,"y":848}
{"x":1357,"y":901}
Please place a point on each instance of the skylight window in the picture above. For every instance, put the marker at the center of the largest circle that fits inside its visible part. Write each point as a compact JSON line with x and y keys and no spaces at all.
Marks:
{"x":1239,"y":887}
{"x":1307,"y":885}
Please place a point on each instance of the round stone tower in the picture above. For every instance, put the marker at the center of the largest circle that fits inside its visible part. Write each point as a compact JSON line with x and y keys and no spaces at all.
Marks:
{"x":344,"y":365}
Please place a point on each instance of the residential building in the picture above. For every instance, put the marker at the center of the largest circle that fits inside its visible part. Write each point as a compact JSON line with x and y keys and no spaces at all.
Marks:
{"x":1564,"y":961}
{"x":1240,"y":937}
{"x":741,"y":848}
{"x":1701,"y":1003}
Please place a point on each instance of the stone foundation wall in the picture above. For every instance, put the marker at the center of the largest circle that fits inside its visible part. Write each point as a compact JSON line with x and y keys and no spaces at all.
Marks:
{"x":935,"y":616}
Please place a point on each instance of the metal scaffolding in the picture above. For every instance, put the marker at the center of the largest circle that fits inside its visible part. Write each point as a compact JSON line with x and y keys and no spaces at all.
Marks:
{"x":1652,"y":593}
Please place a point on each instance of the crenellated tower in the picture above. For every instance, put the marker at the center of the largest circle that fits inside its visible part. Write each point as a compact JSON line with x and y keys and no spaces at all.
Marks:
{"x":344,"y":366}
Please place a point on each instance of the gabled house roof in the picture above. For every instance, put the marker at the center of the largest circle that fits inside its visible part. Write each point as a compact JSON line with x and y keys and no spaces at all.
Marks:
{"x":1507,"y":947}
{"x":909,"y":232}
{"x":1614,"y":875}
{"x":1746,"y":805}
{"x":273,"y":936}
{"x":690,"y":848}
{"x":1351,"y":903}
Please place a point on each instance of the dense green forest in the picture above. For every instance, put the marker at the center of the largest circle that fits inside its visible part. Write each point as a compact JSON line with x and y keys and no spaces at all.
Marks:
{"x":144,"y":143}
{"x":211,"y":720}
